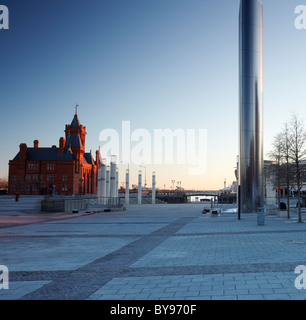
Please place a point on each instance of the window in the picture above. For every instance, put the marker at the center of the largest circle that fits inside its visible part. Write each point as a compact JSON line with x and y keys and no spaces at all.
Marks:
{"x":50,"y":177}
{"x":13,"y":178}
{"x":65,"y":177}
{"x":33,"y":166}
{"x":50,"y":166}
{"x":64,"y":188}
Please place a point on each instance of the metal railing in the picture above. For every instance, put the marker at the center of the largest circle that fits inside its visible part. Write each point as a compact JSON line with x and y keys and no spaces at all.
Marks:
{"x":107,"y":202}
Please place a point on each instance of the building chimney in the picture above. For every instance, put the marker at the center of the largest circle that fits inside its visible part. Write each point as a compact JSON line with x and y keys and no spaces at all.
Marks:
{"x":23,"y":152}
{"x":36,"y":144}
{"x":62,"y":142}
{"x":97,"y":157}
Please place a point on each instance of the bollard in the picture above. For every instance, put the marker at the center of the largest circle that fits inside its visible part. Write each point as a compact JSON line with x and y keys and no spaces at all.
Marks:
{"x":260,"y":217}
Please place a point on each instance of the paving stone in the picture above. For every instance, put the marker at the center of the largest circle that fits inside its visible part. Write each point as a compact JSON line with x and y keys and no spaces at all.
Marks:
{"x":152,"y":252}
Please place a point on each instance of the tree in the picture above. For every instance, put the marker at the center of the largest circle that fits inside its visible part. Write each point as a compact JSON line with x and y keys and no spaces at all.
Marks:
{"x":286,"y":145}
{"x":297,"y":152}
{"x":3,"y":183}
{"x":276,"y":171}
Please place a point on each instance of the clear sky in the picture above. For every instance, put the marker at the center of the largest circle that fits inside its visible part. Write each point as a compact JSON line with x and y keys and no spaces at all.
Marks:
{"x":156,"y":63}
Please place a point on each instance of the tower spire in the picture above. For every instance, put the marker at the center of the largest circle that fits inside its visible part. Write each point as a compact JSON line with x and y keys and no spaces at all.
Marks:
{"x":76,"y":108}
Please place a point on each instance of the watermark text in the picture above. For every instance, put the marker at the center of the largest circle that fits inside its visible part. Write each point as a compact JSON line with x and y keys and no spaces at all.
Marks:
{"x":300,"y":20}
{"x":4,"y":17}
{"x":163,"y":146}
{"x":300,"y":281}
{"x":4,"y":277}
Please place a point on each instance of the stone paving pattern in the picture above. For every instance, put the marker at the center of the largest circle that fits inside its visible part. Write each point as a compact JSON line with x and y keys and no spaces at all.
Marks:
{"x":168,"y":252}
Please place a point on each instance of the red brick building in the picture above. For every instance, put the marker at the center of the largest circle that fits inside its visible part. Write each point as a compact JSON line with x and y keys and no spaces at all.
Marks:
{"x":64,"y":170}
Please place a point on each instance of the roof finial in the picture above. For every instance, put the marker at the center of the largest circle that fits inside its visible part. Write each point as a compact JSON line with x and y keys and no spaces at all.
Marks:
{"x":76,"y":108}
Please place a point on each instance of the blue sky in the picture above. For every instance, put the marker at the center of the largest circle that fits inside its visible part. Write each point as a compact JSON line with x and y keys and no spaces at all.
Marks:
{"x":156,"y":63}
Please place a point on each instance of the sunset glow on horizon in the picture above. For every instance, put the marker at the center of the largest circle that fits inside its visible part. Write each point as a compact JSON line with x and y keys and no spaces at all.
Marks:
{"x":159,"y":65}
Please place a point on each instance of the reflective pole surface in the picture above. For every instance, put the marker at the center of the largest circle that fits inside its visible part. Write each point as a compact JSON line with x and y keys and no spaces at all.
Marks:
{"x":251,"y":106}
{"x":102,"y":191}
{"x":107,"y":184}
{"x":112,"y":181}
{"x":117,"y":183}
{"x":127,"y":187}
{"x":139,"y":187}
{"x":153,"y":188}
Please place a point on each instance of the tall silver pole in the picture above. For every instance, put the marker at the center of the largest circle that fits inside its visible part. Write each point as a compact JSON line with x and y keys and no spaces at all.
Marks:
{"x":107,"y":185}
{"x":127,"y":187}
{"x":117,"y":182}
{"x":251,"y":105}
{"x":153,"y":188}
{"x":113,"y":168}
{"x":139,"y":187}
{"x":103,"y":182}
{"x":99,"y":189}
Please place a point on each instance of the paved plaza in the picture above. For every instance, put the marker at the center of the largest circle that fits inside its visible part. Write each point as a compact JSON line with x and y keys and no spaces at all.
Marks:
{"x":167,"y":252}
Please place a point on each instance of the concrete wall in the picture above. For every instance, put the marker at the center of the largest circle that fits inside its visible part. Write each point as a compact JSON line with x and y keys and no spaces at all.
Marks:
{"x":63,"y":205}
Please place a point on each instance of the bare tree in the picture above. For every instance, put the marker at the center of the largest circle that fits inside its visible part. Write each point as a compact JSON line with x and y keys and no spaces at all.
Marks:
{"x":3,"y":183}
{"x":276,"y":171}
{"x":297,"y":152}
{"x":288,"y":166}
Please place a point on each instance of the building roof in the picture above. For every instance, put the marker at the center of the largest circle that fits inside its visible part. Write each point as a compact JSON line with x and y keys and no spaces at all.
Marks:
{"x":75,"y":121}
{"x":88,"y":158}
{"x":47,"y":154}
{"x":74,"y":141}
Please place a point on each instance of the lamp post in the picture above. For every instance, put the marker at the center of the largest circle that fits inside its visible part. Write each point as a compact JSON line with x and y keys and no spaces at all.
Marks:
{"x":102,"y":185}
{"x":113,"y":169}
{"x":139,"y":187}
{"x":173,"y":181}
{"x":153,"y":188}
{"x":127,"y":185}
{"x":179,"y":185}
{"x":107,"y":184}
{"x":145,"y":185}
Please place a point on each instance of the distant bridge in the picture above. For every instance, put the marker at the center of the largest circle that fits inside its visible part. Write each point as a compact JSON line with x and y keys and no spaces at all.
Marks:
{"x":183,"y":197}
{"x":202,"y":193}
